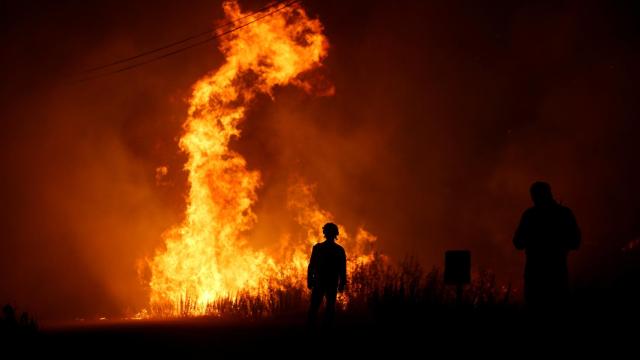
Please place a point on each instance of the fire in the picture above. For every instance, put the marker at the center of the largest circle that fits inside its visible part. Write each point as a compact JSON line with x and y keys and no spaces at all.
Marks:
{"x":207,"y":257}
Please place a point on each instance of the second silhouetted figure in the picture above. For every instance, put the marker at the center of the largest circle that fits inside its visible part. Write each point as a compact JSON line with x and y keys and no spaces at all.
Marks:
{"x":547,"y":232}
{"x":326,"y":274}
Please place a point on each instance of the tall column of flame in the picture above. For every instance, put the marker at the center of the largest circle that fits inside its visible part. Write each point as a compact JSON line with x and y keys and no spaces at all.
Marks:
{"x":206,"y":257}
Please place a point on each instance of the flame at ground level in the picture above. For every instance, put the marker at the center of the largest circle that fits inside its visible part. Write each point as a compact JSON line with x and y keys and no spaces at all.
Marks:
{"x":207,"y":257}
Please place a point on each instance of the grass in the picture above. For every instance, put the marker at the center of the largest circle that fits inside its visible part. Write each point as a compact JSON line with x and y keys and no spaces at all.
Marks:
{"x":377,"y":289}
{"x":12,"y":325}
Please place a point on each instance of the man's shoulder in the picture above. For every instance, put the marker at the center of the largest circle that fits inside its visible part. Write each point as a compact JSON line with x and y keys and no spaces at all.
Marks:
{"x":328,"y":245}
{"x":320,"y":245}
{"x":564,"y":210}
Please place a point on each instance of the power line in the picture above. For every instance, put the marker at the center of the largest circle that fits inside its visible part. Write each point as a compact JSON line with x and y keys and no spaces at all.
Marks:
{"x":184,"y":48}
{"x":182,"y":41}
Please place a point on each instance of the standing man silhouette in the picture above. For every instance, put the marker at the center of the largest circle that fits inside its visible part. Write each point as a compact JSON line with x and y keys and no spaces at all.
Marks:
{"x":326,"y":274}
{"x":547,"y":232}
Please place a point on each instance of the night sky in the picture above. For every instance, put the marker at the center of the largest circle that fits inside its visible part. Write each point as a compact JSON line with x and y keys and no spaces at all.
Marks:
{"x":444,"y":113}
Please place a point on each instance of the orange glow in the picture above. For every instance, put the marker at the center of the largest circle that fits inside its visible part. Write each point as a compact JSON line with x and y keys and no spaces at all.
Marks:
{"x":208,"y":256}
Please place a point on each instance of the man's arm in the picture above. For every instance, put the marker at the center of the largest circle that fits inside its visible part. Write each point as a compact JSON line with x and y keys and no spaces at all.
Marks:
{"x":522,"y":232}
{"x":343,"y":272}
{"x":311,"y":269}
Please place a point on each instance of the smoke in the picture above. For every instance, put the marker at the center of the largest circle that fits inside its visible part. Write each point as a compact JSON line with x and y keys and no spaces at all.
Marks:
{"x":80,"y":200}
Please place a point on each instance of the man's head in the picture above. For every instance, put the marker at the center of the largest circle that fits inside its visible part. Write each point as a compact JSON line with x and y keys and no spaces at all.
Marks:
{"x":330,"y":231}
{"x":541,"y":193}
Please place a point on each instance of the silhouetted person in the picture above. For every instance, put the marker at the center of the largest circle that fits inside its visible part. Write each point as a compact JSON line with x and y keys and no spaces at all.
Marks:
{"x":547,"y":232}
{"x":326,"y":274}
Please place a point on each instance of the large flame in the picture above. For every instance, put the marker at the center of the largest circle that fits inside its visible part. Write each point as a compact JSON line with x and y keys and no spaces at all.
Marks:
{"x":207,"y":257}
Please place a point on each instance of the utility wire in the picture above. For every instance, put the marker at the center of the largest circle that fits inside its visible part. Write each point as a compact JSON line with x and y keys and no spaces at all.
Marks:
{"x":184,"y":48}
{"x":187,"y":39}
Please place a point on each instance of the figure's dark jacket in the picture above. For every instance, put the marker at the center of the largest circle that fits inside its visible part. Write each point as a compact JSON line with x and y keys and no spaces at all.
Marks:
{"x":327,"y":267}
{"x":547,"y":234}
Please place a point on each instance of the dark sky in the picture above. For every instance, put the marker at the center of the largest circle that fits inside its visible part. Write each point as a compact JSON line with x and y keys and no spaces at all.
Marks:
{"x":444,"y":113}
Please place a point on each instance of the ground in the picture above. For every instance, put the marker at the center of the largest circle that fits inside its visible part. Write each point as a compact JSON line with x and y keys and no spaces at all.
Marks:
{"x":466,"y":331}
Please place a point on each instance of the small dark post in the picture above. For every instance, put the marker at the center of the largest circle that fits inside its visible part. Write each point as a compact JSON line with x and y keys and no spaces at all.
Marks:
{"x":457,"y":270}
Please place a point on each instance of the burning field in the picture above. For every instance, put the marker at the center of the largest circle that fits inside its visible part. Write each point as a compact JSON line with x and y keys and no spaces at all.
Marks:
{"x":163,"y":186}
{"x":208,"y":258}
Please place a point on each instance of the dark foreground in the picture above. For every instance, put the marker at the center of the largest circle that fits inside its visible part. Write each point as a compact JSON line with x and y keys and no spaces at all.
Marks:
{"x":456,"y":332}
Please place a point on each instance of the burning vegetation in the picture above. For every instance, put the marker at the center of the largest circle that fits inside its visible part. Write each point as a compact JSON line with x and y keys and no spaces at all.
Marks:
{"x":208,"y":261}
